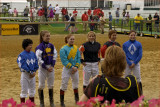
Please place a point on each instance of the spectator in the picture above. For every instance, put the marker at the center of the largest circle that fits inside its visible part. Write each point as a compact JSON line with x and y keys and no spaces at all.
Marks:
{"x":51,"y":15}
{"x":66,"y":18}
{"x":15,"y":12}
{"x":124,"y":18}
{"x":57,"y":12}
{"x":10,"y":12}
{"x":95,"y":11}
{"x":31,"y":14}
{"x":34,"y":14}
{"x":89,"y":12}
{"x":91,"y":24}
{"x":102,"y":22}
{"x":156,"y":26}
{"x":45,"y":13}
{"x":26,"y":11}
{"x":63,"y":13}
{"x":66,"y":29}
{"x":117,"y":16}
{"x":149,"y":23}
{"x":137,"y":23}
{"x":73,"y":28}
{"x":50,"y":7}
{"x":127,"y":18}
{"x":110,"y":21}
{"x":84,"y":18}
{"x":96,"y":19}
{"x":75,"y":12}
{"x":111,"y":85}
{"x":41,"y":15}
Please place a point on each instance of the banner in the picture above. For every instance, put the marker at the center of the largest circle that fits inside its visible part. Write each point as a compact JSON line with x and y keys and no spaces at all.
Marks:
{"x":10,"y":29}
{"x":29,"y":29}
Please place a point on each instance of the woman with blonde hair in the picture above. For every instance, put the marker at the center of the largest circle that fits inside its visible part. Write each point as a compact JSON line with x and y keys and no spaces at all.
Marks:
{"x":90,"y":57}
{"x":70,"y":58}
{"x":46,"y":54}
{"x":111,"y":85}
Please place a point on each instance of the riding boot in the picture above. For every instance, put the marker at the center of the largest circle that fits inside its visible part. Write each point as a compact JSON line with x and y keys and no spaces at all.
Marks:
{"x":62,"y":98}
{"x":76,"y":95}
{"x":32,"y":99}
{"x":51,"y":97}
{"x":41,"y":98}
{"x":22,"y":100}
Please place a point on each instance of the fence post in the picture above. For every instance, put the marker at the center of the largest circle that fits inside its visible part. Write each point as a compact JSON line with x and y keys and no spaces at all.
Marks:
{"x":114,"y":24}
{"x":130,"y":24}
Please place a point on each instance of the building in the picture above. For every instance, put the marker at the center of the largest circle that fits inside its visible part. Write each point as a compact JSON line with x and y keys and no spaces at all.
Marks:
{"x":103,"y":4}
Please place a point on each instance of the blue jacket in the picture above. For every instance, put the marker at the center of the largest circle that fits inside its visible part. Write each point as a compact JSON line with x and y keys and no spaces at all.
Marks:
{"x":27,"y":61}
{"x":133,"y":51}
{"x":70,"y":56}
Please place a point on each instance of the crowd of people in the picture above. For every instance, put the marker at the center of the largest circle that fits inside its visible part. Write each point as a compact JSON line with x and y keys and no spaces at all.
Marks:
{"x":111,"y":84}
{"x":50,"y":13}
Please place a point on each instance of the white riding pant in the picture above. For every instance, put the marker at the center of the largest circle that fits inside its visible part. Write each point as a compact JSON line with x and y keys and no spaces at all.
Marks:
{"x":27,"y":85}
{"x":43,"y":74}
{"x":136,"y":71}
{"x":66,"y":74}
{"x":90,"y":69}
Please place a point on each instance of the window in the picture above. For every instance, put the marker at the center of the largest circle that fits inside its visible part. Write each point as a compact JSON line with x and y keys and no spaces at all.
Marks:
{"x":151,"y":2}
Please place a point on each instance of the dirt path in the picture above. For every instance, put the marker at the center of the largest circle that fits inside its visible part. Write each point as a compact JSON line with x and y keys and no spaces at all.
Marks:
{"x":10,"y":47}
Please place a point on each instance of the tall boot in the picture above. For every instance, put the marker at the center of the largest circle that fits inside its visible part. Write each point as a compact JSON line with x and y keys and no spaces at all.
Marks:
{"x":22,"y":100}
{"x":62,"y":98}
{"x":41,"y":98}
{"x":51,"y":97}
{"x":76,"y":95}
{"x":84,"y":88}
{"x":32,"y":99}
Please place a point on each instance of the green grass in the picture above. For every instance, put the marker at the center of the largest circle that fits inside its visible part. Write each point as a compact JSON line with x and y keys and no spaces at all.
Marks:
{"x":60,"y":29}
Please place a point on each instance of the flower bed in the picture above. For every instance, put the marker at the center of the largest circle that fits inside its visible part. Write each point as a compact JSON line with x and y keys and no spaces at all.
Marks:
{"x":95,"y":102}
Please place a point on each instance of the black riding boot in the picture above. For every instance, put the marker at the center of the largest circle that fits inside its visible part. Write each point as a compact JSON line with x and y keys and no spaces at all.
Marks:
{"x":62,"y":98}
{"x":51,"y":98}
{"x":76,"y":95}
{"x":22,"y":100}
{"x":41,"y":98}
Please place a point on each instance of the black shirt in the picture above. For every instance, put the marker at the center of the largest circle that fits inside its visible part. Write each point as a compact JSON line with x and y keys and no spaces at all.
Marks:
{"x":156,"y":21}
{"x":114,"y":88}
{"x":67,"y":17}
{"x":72,"y":20}
{"x":91,"y":52}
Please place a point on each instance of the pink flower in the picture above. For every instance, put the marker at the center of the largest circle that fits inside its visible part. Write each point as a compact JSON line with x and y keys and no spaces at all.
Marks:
{"x":82,"y":104}
{"x":154,"y":103}
{"x":96,"y":99}
{"x":89,"y":103}
{"x":106,"y":103}
{"x":6,"y":103}
{"x":137,"y":102}
{"x":27,"y":104}
{"x":113,"y":103}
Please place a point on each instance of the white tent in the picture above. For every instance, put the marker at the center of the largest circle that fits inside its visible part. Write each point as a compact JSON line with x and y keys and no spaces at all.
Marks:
{"x":18,"y":4}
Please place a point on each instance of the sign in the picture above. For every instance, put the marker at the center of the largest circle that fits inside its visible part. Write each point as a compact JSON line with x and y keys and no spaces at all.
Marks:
{"x":29,"y":29}
{"x":10,"y":29}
